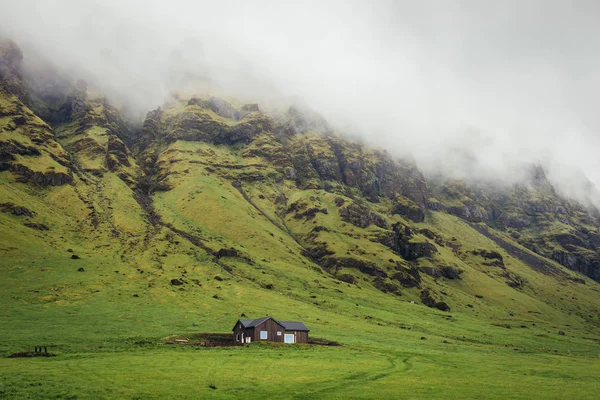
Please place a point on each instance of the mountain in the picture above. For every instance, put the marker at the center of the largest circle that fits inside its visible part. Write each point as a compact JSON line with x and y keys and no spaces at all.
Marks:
{"x":115,"y":233}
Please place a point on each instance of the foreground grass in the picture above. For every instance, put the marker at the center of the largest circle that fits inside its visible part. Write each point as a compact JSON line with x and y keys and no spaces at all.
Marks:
{"x":108,"y":344}
{"x":303,"y":373}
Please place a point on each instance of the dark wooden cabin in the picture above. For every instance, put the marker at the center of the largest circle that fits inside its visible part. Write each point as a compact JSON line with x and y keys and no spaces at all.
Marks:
{"x":268,"y":329}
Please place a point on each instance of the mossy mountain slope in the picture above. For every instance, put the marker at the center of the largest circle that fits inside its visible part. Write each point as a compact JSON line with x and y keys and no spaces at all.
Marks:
{"x":280,"y":208}
{"x":533,"y":214}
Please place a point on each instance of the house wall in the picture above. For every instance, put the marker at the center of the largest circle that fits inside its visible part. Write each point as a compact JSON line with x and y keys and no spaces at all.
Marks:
{"x":301,"y":337}
{"x":272,"y":328}
{"x":238,"y":330}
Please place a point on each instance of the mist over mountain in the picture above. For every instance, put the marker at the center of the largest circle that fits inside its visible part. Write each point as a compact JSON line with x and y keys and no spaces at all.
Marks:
{"x":502,"y":84}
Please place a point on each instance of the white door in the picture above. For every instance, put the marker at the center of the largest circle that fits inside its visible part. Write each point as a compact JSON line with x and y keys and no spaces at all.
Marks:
{"x":288,"y":338}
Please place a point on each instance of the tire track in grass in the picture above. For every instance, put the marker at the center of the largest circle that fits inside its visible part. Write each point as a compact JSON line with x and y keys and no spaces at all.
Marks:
{"x":363,"y":378}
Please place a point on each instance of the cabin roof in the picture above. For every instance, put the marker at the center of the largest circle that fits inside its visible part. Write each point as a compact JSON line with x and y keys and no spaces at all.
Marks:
{"x":287,"y":325}
{"x":294,"y":326}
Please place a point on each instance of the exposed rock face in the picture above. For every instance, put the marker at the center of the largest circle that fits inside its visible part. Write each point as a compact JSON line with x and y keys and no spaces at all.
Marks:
{"x":361,"y":216}
{"x":304,"y":209}
{"x":410,"y":250}
{"x":79,"y":97}
{"x":196,"y":125}
{"x":429,"y":301}
{"x":566,"y":239}
{"x":16,"y":210}
{"x":400,"y":240}
{"x":218,"y":106}
{"x":443,"y":271}
{"x":31,"y":143}
{"x":268,"y":147}
{"x":494,"y":258}
{"x":525,"y":209}
{"x":39,"y":227}
{"x":470,"y":212}
{"x":74,"y":105}
{"x":408,"y":209}
{"x":386,"y":286}
{"x":227,"y":253}
{"x":299,"y":121}
{"x":347,"y":278}
{"x":151,"y":130}
{"x":366,"y":267}
{"x":116,"y":153}
{"x":10,"y":70}
{"x":408,"y":278}
{"x":10,"y":148}
{"x":42,"y":178}
{"x":586,"y":263}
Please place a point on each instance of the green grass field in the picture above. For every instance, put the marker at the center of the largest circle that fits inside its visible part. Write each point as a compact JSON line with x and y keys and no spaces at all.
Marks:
{"x":108,"y":343}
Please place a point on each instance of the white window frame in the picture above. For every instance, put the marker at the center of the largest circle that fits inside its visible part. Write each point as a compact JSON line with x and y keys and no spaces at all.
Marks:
{"x":237,"y":337}
{"x":278,"y":333}
{"x":288,"y":335}
{"x":266,"y":335}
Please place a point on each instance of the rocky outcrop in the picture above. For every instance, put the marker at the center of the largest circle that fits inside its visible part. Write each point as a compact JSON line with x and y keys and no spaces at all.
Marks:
{"x":408,"y":209}
{"x":493,"y":258}
{"x":116,"y":153}
{"x":586,"y":263}
{"x":469,"y":212}
{"x":75,"y":105}
{"x":41,"y":178}
{"x":407,"y":277}
{"x":317,"y":251}
{"x":218,"y":106}
{"x":333,"y":264}
{"x":196,"y":124}
{"x":386,"y":286}
{"x":443,"y":271}
{"x":151,"y":130}
{"x":16,"y":210}
{"x":11,"y":148}
{"x":361,"y":216}
{"x":11,"y":77}
{"x":305,"y":209}
{"x":429,"y":301}
{"x":402,"y":242}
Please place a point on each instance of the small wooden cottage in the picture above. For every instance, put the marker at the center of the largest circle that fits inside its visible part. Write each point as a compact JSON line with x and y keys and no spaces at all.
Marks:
{"x":268,"y":329}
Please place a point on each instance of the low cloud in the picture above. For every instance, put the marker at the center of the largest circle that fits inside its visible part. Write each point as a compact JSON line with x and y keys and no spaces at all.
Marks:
{"x":470,"y":88}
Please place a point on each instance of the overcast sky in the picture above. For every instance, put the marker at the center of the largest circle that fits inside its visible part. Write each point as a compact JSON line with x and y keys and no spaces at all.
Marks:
{"x":503,"y":82}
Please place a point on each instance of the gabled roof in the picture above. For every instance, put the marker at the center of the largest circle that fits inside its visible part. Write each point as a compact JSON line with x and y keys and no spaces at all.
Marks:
{"x":294,"y":326}
{"x":257,"y":322}
{"x":287,"y":325}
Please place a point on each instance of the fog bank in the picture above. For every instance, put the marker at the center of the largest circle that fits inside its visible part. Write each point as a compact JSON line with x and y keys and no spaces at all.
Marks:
{"x":469,"y":88}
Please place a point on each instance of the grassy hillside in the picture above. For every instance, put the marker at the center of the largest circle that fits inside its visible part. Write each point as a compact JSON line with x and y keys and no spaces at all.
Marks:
{"x":252,"y":214}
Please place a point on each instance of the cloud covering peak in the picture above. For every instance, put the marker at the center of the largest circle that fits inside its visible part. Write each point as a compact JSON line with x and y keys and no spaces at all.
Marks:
{"x":470,"y":88}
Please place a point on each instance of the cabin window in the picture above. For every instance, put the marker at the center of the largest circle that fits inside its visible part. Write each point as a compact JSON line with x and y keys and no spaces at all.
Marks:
{"x":278,"y":333}
{"x":289,"y":338}
{"x":237,"y":337}
{"x":263,"y":335}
